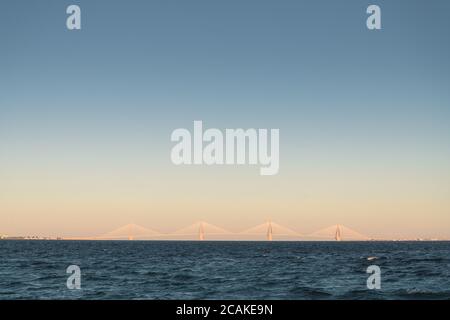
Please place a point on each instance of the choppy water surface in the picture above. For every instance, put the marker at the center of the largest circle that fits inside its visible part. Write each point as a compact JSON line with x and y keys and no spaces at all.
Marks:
{"x":223,"y":270}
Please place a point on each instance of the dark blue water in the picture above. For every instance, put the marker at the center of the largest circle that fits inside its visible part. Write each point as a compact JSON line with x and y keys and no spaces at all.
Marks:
{"x":223,"y":270}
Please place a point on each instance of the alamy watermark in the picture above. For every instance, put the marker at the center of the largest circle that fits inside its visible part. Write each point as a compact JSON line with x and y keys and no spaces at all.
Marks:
{"x":74,"y":280}
{"x":73,"y":21}
{"x":233,"y":146}
{"x":374,"y":280}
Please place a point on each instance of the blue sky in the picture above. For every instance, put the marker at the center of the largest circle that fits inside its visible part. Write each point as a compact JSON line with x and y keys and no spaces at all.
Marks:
{"x":346,"y":99}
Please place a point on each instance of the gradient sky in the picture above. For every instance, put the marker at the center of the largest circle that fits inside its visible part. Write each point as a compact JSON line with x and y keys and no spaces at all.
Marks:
{"x":86,"y":116}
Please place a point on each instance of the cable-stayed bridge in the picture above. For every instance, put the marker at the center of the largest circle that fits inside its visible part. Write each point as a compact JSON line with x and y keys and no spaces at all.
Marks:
{"x":201,"y":230}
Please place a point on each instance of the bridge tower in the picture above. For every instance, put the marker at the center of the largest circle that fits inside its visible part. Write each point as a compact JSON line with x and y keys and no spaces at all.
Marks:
{"x":130,"y":232}
{"x":201,"y":232}
{"x":269,"y":231}
{"x":337,"y":235}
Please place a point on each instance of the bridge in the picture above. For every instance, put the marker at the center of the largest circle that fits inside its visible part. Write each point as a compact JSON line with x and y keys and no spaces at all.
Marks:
{"x":201,"y":230}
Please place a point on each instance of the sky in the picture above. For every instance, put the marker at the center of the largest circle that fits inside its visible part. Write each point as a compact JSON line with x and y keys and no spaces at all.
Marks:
{"x":86,"y":115}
